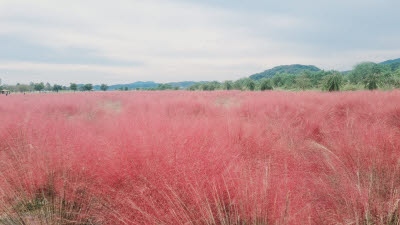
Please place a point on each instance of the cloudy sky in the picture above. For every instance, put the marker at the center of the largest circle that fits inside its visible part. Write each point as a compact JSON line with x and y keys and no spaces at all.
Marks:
{"x":121,"y":41}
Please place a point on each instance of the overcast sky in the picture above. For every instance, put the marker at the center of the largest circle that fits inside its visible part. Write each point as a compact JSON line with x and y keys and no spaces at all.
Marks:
{"x":123,"y":41}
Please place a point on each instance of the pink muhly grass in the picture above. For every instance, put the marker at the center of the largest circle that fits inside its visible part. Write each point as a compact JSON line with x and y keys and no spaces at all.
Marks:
{"x":200,"y":158}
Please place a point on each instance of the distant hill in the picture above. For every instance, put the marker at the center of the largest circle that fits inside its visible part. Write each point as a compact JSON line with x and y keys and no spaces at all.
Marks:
{"x":391,"y":61}
{"x":290,"y":69}
{"x":185,"y":84}
{"x":147,"y":84}
{"x":138,"y":84}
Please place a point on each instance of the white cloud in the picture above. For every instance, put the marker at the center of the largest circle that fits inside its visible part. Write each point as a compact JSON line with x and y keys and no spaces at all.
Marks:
{"x":172,"y":40}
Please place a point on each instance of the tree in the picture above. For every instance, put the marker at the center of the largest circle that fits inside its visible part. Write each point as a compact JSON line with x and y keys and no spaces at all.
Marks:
{"x":228,"y":85}
{"x":73,"y":86}
{"x":373,"y":78}
{"x":57,"y":87}
{"x":278,"y":80}
{"x":371,"y":81}
{"x":238,"y":85}
{"x":206,"y":87}
{"x":164,"y":87}
{"x":284,"y":80}
{"x":333,"y":82}
{"x":250,"y":84}
{"x":210,"y":86}
{"x":23,"y":88}
{"x":194,"y":87}
{"x":87,"y":87}
{"x":396,"y":78}
{"x":48,"y":87}
{"x":38,"y":86}
{"x":103,"y":87}
{"x":360,"y":72}
{"x":303,"y":82}
{"x":318,"y":76}
{"x":214,"y":85}
{"x":266,"y":84}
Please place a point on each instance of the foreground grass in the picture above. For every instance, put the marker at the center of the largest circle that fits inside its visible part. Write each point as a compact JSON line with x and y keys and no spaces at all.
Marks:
{"x":200,"y":158}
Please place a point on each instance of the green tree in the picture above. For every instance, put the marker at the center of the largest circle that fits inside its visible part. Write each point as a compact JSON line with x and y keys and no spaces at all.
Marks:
{"x":194,"y":87}
{"x":227,"y":85}
{"x":48,"y":87}
{"x":239,"y":84}
{"x":57,"y":87}
{"x":206,"y":87}
{"x":284,"y":80}
{"x":278,"y":80}
{"x":38,"y":86}
{"x":303,"y":82}
{"x":371,"y":81}
{"x":333,"y":82}
{"x":373,"y":77}
{"x":318,"y":77}
{"x":164,"y":87}
{"x":73,"y":86}
{"x":103,"y":87}
{"x":360,"y":72}
{"x":215,"y":85}
{"x":396,"y":78}
{"x":210,"y":86}
{"x":266,"y":84}
{"x":87,"y":87}
{"x":388,"y":77}
{"x":23,"y":88}
{"x":250,"y":84}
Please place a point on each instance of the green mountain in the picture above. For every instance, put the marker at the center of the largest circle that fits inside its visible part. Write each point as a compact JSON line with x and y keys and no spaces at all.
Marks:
{"x":185,"y":84}
{"x":394,"y":64}
{"x":147,"y":84}
{"x":138,"y":84}
{"x":391,"y":61}
{"x":290,"y":69}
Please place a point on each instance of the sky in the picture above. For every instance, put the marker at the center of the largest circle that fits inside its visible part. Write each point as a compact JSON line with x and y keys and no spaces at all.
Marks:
{"x":124,"y":41}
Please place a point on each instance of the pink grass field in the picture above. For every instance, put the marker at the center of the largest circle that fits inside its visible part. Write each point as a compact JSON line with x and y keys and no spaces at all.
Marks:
{"x":200,"y":158}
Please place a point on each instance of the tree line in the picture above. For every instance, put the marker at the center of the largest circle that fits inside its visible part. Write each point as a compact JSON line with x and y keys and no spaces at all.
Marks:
{"x":42,"y":87}
{"x":73,"y":87}
{"x":364,"y":76}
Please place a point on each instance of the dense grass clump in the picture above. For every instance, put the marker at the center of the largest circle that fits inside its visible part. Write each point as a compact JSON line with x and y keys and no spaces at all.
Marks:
{"x":200,"y":158}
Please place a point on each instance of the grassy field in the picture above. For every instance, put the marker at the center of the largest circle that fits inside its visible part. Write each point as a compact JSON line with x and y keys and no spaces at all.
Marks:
{"x":200,"y":158}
